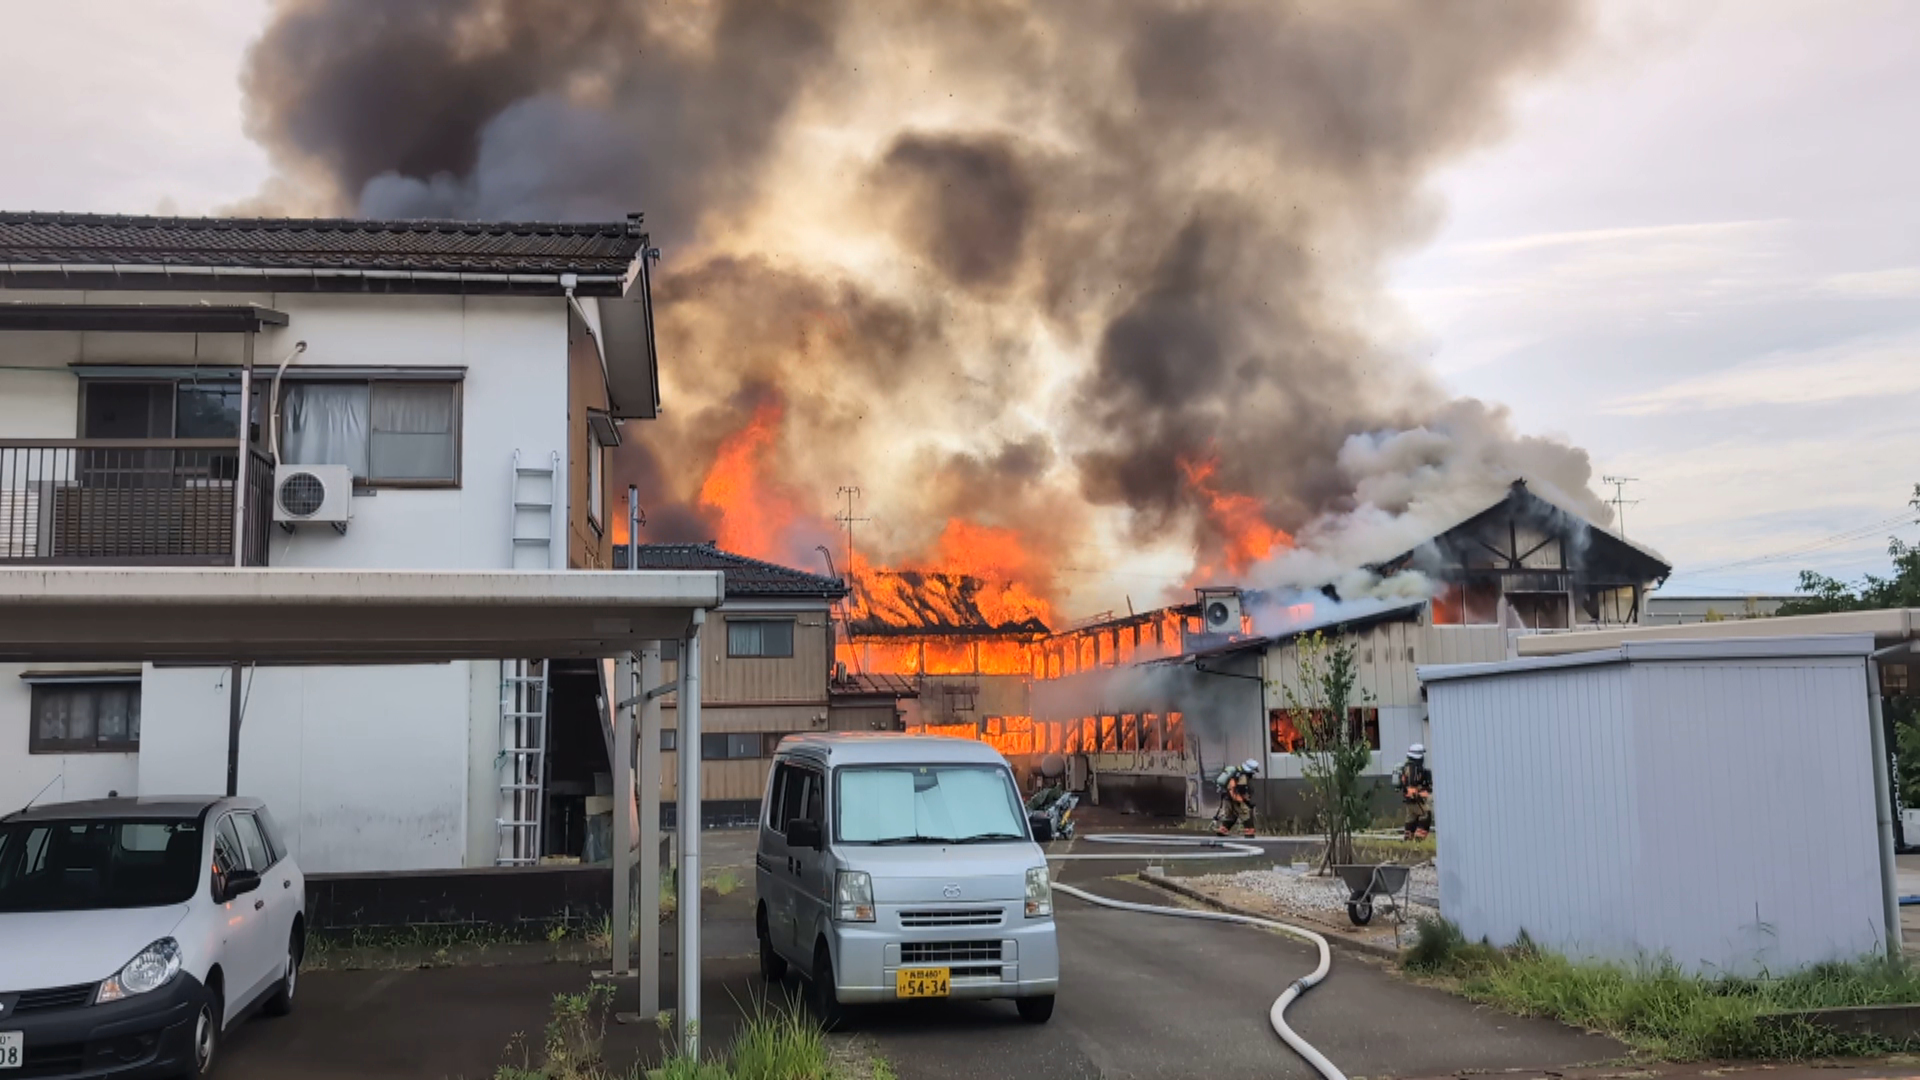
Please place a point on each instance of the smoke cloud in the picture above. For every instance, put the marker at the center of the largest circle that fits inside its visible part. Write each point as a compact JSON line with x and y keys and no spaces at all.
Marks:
{"x":1097,"y":272}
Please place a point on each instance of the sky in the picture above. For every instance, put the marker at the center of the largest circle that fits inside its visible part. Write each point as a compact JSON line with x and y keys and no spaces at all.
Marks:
{"x":1695,"y":251}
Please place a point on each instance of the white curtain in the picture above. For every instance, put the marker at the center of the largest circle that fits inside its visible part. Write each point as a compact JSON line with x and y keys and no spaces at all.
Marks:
{"x":412,"y":434}
{"x":326,"y":424}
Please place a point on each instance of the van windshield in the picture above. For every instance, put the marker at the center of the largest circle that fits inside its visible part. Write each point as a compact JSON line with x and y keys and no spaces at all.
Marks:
{"x":83,"y":865}
{"x":928,"y":804}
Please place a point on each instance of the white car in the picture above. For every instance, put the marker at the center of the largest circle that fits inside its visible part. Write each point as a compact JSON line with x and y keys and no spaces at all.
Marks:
{"x":133,"y":932}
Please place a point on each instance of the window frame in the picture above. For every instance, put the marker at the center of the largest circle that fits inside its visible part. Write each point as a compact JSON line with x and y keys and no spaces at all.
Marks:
{"x":791,"y":623}
{"x":754,"y":741}
{"x":38,"y":745}
{"x":596,"y":482}
{"x":456,"y":386}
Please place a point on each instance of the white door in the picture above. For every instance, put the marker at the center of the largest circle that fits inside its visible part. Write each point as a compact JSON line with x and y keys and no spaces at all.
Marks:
{"x":276,"y":892}
{"x":812,"y":882}
{"x":244,"y":952}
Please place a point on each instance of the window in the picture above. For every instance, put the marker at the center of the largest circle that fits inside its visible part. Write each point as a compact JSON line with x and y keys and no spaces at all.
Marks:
{"x":731,"y":746}
{"x":928,"y":804}
{"x":1283,"y":736}
{"x":795,"y":794}
{"x":84,"y":717}
{"x":96,"y":864}
{"x":258,"y":857}
{"x":1893,"y":680}
{"x":595,"y":495}
{"x":1286,"y":731}
{"x":385,"y":432}
{"x":669,"y":740}
{"x":760,"y":637}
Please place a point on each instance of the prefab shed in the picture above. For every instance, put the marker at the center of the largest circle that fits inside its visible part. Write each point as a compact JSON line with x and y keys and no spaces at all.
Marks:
{"x":1708,"y":802}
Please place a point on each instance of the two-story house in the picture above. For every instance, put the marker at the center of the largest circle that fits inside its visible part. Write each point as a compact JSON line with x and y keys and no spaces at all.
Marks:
{"x":768,"y":654}
{"x":309,"y":394}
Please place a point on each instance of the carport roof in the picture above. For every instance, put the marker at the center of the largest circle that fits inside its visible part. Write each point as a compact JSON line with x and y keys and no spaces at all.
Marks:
{"x":340,"y":616}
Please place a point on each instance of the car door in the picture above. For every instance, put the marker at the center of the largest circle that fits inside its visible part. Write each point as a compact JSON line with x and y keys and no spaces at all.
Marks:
{"x":770,"y":859}
{"x":811,"y":898}
{"x":276,"y":890}
{"x":243,"y":946}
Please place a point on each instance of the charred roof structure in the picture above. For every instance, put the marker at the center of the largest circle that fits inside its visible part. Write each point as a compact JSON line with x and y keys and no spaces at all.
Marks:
{"x":1528,"y":564}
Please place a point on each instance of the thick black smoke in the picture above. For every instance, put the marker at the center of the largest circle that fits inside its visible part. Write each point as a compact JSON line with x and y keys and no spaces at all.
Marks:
{"x":1027,"y":262}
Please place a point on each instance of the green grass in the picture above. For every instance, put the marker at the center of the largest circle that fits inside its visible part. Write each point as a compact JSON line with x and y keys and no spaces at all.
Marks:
{"x":1661,"y":1010}
{"x":779,"y":1042}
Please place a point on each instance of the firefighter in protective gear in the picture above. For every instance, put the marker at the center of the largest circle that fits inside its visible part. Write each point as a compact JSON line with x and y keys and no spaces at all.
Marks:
{"x":1236,"y":799}
{"x":1415,"y":782}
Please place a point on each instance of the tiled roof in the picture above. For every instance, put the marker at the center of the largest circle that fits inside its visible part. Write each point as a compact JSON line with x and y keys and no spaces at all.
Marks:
{"x":865,"y":685}
{"x":745,"y":576}
{"x":451,"y":247}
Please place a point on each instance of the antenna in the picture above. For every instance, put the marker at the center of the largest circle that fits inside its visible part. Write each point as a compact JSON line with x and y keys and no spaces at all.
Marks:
{"x":847,"y":519}
{"x":1620,"y":501}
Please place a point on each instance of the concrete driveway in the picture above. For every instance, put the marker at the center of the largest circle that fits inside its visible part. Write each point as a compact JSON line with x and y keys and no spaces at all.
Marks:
{"x":1143,"y":997}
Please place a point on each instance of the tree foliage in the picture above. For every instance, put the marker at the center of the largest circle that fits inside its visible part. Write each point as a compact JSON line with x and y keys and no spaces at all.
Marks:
{"x":1872,"y":592}
{"x":1333,"y":754}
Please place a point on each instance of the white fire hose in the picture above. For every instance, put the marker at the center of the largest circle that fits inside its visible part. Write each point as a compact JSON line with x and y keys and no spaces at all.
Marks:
{"x":1220,"y":849}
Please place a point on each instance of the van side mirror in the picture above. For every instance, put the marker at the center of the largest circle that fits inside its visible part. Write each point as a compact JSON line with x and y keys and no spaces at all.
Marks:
{"x":238,"y":883}
{"x":804,"y":834}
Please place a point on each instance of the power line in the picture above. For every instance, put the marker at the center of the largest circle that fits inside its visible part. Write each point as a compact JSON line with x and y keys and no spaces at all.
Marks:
{"x":1620,"y":501}
{"x":1854,"y":535}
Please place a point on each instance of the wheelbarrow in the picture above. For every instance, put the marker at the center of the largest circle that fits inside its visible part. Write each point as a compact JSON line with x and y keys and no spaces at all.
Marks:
{"x":1367,"y":882}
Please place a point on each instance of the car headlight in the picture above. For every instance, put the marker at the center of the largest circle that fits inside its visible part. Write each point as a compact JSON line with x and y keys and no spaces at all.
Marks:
{"x":153,"y":968}
{"x":1039,"y":893}
{"x":852,"y":896}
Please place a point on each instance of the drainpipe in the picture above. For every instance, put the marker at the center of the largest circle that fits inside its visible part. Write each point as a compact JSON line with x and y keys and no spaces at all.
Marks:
{"x":689,"y":829}
{"x":1883,"y":798}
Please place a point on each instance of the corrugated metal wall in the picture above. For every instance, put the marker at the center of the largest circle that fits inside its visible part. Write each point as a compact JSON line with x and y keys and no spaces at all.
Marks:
{"x":1716,"y":812}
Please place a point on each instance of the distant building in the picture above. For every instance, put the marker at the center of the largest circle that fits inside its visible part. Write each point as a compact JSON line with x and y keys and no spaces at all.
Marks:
{"x":1665,"y":610}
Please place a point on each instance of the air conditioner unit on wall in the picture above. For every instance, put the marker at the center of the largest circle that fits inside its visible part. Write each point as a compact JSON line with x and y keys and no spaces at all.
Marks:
{"x":313,"y":493}
{"x":1220,"y":609}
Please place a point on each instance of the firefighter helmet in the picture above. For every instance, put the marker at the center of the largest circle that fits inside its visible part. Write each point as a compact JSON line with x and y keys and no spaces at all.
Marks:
{"x":1250,"y":766}
{"x":1416,"y":752}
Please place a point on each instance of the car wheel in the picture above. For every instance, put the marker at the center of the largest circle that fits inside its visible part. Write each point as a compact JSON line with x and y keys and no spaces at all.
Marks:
{"x":773,"y":967}
{"x":206,"y":1033}
{"x":825,"y":997}
{"x":281,"y":1003}
{"x":1035,"y":1010}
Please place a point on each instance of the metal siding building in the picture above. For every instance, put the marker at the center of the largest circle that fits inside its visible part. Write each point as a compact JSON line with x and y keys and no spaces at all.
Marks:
{"x":1707,"y":802}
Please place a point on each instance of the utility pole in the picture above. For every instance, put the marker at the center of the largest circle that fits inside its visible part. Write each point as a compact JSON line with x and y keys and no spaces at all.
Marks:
{"x":1620,"y":501}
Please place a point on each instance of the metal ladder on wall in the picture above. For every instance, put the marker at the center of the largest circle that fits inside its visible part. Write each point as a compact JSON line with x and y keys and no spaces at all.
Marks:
{"x":523,"y":760}
{"x":522,"y":763}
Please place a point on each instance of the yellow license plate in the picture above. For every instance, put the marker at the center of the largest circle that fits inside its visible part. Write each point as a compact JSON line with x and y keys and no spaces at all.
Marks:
{"x":922,"y":982}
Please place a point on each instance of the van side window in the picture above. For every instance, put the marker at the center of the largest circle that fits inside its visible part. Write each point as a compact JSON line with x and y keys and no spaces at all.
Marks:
{"x":816,"y":785}
{"x":802,"y":791}
{"x":777,"y":798}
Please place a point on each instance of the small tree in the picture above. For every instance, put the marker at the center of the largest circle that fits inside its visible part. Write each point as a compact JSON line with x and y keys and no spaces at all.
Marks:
{"x":1333,"y":754}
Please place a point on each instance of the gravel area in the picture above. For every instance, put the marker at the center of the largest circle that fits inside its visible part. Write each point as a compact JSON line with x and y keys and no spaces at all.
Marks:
{"x":1304,"y":892}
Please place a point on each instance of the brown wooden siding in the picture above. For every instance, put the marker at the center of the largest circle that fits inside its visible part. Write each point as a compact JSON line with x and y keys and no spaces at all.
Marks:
{"x":588,"y":547}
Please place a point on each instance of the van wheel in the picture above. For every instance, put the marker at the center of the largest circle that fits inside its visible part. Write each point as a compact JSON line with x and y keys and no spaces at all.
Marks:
{"x":1035,"y":1010}
{"x":773,"y":966}
{"x":825,"y":997}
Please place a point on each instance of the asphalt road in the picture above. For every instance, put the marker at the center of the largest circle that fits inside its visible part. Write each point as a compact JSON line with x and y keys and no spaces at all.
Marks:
{"x":1142,"y":997}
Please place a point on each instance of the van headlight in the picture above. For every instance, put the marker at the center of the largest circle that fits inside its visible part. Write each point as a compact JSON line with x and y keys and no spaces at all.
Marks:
{"x":153,"y":968}
{"x":1039,"y":893}
{"x":852,"y":896}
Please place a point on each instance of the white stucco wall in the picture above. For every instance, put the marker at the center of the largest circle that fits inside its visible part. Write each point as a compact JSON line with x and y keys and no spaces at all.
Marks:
{"x":364,"y":768}
{"x":63,"y":777}
{"x":369,"y":768}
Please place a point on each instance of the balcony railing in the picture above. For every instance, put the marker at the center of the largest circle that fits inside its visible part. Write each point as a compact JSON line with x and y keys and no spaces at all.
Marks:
{"x":154,"y":502}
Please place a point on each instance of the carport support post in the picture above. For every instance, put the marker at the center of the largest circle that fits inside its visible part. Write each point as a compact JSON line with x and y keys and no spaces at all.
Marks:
{"x":623,"y":812}
{"x":649,"y":830}
{"x":688,"y":820}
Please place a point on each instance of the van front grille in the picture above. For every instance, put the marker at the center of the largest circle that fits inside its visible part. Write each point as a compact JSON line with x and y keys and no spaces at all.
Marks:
{"x":949,"y":952}
{"x":60,"y":997}
{"x":952,"y":917}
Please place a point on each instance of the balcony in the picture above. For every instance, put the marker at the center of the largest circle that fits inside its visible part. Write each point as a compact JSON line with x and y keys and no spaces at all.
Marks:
{"x":129,"y":502}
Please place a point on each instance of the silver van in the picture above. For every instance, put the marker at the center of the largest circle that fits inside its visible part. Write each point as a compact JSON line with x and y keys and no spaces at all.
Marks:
{"x":901,"y":866}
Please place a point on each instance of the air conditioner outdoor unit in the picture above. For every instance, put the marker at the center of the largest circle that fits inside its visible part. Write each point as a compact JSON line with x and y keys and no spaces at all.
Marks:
{"x":1221,"y":610}
{"x":317,"y":493}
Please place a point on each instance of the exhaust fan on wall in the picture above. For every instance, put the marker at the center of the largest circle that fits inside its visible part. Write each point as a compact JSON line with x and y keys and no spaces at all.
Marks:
{"x":313,"y":493}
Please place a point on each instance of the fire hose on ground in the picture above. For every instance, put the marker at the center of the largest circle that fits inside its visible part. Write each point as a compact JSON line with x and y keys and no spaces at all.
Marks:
{"x":1218,"y":849}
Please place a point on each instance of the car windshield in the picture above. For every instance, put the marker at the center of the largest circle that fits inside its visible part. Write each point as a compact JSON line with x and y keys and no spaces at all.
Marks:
{"x":928,"y":804}
{"x":92,"y":864}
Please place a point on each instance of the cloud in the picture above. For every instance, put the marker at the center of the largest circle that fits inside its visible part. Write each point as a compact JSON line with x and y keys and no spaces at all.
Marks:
{"x":1714,"y":232}
{"x":1879,"y":369}
{"x":1895,"y":283}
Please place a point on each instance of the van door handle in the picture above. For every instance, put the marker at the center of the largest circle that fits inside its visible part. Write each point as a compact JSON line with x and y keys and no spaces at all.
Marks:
{"x":287,"y":884}
{"x":258,"y":904}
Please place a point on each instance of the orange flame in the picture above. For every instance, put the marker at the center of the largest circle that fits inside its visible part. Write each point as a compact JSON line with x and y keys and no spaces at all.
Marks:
{"x":752,"y":514}
{"x":1237,"y":517}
